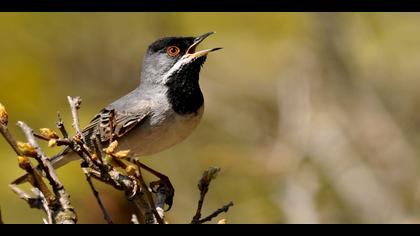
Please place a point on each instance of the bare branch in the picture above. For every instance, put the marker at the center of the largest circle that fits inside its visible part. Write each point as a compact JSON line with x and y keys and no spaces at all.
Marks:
{"x":43,"y":160}
{"x":45,"y":205}
{"x":159,"y":218}
{"x":32,"y":202}
{"x":75,"y":105}
{"x":36,"y":179}
{"x":61,"y":127}
{"x":225,"y":208}
{"x":203,"y":186}
{"x":97,"y":197}
{"x":4,"y":117}
{"x":64,"y":213}
{"x":129,"y":185}
{"x":96,"y":164}
{"x":9,"y":138}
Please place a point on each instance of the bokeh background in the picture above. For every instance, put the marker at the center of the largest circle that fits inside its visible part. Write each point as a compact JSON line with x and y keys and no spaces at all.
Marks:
{"x":313,"y":117}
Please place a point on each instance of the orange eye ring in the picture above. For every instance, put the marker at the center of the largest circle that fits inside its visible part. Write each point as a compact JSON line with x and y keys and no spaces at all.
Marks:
{"x":173,"y":51}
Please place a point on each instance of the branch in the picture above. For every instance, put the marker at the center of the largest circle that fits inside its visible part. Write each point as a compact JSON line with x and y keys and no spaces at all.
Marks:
{"x":58,"y":207}
{"x":42,"y":159}
{"x":138,"y":197}
{"x":61,"y":209}
{"x":158,"y":215}
{"x":61,"y":127}
{"x":99,"y":163}
{"x":13,"y":143}
{"x":225,"y":208}
{"x":75,"y":105}
{"x":4,"y":119}
{"x":105,"y":213}
{"x":203,"y":185}
{"x":129,"y":185}
{"x":45,"y":205}
{"x":32,"y":202}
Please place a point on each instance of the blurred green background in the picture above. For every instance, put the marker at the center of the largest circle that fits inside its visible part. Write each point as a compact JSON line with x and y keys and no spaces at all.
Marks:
{"x":313,"y":117}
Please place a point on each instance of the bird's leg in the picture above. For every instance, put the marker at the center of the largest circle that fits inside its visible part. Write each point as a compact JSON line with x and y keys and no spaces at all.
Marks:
{"x":163,"y":184}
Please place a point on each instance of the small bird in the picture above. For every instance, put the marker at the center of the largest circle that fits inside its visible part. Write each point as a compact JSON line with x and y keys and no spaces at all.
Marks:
{"x":163,"y":110}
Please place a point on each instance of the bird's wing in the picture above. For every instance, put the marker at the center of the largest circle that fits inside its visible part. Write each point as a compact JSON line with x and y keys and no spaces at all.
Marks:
{"x":122,"y":123}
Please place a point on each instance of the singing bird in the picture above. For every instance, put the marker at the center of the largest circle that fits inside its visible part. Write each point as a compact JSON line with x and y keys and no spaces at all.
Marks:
{"x":163,"y":110}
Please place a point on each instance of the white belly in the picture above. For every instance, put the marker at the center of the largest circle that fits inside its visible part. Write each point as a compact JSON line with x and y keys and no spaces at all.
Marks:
{"x":156,"y":135}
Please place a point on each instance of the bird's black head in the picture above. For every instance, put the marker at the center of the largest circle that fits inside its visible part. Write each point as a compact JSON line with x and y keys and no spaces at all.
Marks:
{"x":173,"y":55}
{"x":175,"y":63}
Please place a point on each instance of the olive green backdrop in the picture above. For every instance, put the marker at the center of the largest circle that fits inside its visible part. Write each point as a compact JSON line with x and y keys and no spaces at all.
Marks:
{"x":313,"y":117}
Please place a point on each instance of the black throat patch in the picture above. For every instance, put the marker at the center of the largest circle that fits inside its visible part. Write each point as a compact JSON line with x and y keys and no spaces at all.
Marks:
{"x":184,"y":93}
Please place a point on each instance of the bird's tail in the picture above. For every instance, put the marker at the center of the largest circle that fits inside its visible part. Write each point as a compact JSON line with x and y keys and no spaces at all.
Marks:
{"x":57,"y":161}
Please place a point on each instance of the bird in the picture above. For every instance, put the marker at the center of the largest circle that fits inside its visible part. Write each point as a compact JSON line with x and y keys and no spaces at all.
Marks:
{"x":162,"y":111}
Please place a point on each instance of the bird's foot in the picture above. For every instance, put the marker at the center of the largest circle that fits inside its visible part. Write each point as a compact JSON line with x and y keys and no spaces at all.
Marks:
{"x":165,"y":187}
{"x":135,"y":189}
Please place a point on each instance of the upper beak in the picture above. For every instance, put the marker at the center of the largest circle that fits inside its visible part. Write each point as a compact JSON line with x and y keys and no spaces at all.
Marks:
{"x":191,"y":53}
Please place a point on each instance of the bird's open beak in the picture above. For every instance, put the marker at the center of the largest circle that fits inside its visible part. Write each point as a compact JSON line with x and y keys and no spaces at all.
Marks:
{"x":191,"y":53}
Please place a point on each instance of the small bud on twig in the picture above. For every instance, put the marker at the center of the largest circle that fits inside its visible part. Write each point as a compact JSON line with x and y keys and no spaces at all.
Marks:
{"x":48,"y":133}
{"x":207,"y":177}
{"x":131,"y":170}
{"x":27,"y":149}
{"x":111,"y":148}
{"x":52,"y":143}
{"x":222,"y":222}
{"x":24,"y":162}
{"x":122,"y":154}
{"x":4,"y":117}
{"x":94,"y":157}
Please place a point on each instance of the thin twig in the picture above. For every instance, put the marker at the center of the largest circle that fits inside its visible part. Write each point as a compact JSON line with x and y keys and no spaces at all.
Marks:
{"x":32,"y":202}
{"x":9,"y":138}
{"x":225,"y":208}
{"x":43,"y":161}
{"x":75,"y":105}
{"x":45,"y":205}
{"x":64,"y":213}
{"x":137,"y":196}
{"x":61,"y":127}
{"x":13,"y":143}
{"x":158,"y":217}
{"x":41,"y":137}
{"x":33,"y":175}
{"x":203,"y":186}
{"x":142,"y":197}
{"x":98,"y":199}
{"x":143,"y":206}
{"x":35,"y":178}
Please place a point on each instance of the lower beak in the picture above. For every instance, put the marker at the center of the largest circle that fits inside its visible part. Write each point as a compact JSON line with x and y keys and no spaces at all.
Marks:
{"x":191,"y":53}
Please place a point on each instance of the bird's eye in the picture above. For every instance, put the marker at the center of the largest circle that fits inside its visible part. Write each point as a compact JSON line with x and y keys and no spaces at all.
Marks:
{"x":173,"y":51}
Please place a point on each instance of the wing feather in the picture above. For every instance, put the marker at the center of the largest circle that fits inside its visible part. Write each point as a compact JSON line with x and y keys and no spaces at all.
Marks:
{"x":122,"y":123}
